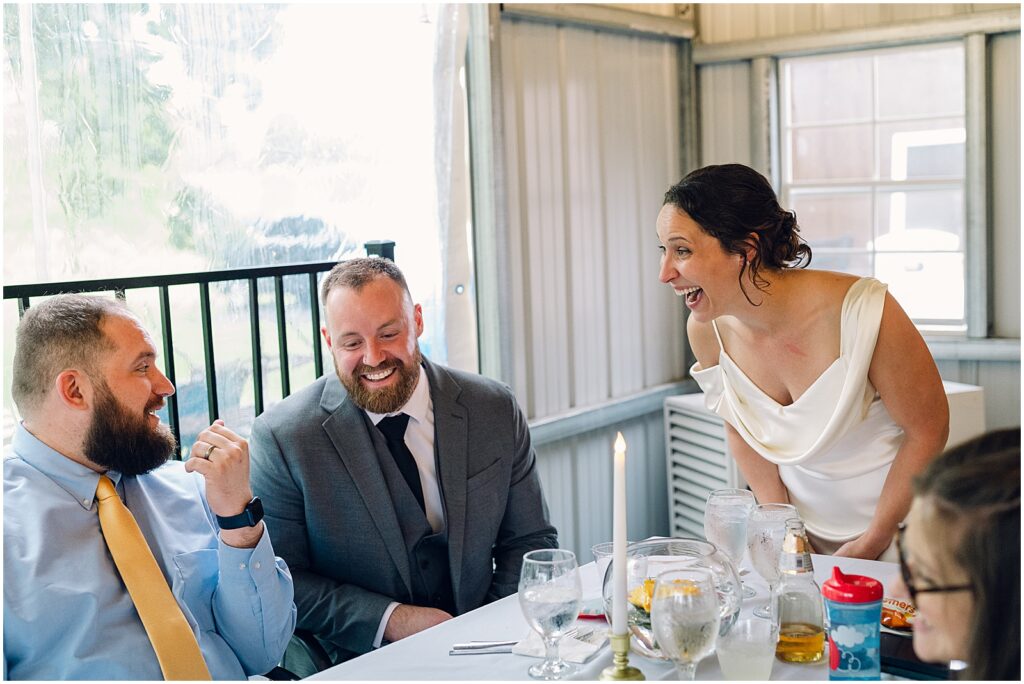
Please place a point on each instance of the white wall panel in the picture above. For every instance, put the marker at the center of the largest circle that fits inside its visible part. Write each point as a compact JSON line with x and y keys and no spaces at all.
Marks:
{"x":576,"y":475}
{"x":592,"y":143}
{"x":725,"y":22}
{"x":590,"y":331}
{"x":725,"y":113}
{"x":1004,"y":179}
{"x":658,"y":121}
{"x":1001,"y":381}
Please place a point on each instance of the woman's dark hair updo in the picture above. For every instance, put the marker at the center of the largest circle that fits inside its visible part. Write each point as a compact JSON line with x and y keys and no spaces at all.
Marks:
{"x":731,"y":201}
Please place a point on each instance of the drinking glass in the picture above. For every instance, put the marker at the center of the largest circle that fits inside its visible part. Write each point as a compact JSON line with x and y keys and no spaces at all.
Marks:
{"x":603,"y":557}
{"x":550,"y":596}
{"x":747,"y":652}
{"x":766,"y":529}
{"x":685,"y":617}
{"x":725,"y":524}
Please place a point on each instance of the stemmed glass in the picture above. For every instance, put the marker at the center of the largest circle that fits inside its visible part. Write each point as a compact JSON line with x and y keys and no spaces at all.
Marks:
{"x":766,"y":529}
{"x":550,"y":595}
{"x":725,"y":525}
{"x":685,"y":617}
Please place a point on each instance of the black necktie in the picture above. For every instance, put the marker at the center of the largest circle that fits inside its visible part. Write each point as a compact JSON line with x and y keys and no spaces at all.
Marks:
{"x":393,"y":429}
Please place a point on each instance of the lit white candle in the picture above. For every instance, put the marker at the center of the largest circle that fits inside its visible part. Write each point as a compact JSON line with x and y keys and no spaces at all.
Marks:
{"x":619,"y":538}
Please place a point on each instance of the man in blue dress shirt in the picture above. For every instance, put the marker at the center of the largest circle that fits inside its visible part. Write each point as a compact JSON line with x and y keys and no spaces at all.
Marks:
{"x":87,"y":387}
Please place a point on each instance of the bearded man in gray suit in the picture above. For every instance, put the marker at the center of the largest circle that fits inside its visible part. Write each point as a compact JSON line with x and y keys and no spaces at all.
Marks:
{"x":399,"y":492}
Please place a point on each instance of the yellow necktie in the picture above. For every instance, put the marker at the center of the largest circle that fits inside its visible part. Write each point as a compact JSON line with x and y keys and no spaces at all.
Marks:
{"x":175,"y":644}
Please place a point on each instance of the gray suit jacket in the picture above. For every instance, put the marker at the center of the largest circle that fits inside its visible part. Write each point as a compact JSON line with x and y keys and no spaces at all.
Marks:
{"x":330,"y":516}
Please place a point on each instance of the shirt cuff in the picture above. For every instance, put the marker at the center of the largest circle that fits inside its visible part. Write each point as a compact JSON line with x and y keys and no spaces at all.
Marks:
{"x":254,"y":563}
{"x":384,"y":623}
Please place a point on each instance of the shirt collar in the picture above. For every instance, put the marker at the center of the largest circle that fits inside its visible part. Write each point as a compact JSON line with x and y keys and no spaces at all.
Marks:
{"x":73,"y":477}
{"x":418,"y":405}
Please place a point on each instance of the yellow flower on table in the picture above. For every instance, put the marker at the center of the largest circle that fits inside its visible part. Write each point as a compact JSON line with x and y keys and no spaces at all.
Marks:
{"x":642,"y":594}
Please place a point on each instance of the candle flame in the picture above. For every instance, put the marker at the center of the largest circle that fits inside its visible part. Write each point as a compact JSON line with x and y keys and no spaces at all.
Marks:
{"x":620,"y":443}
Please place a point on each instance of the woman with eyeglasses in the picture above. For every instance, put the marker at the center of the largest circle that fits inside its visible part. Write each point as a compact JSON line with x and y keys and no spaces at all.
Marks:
{"x":959,"y":552}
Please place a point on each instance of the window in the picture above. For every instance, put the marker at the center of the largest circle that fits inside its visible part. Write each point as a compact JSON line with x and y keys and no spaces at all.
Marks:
{"x":145,"y":139}
{"x":873,"y":164}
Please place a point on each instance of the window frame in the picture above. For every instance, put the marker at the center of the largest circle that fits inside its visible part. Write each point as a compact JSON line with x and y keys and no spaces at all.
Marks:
{"x":787,"y":187}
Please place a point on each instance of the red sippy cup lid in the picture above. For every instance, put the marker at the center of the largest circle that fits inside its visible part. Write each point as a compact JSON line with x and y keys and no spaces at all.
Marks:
{"x":844,"y":588}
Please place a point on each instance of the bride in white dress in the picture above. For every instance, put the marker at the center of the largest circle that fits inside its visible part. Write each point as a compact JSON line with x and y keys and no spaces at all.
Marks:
{"x":831,"y":399}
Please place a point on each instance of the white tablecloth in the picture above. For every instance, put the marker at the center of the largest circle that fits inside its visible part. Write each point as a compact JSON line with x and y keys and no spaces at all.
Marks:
{"x":424,"y":656}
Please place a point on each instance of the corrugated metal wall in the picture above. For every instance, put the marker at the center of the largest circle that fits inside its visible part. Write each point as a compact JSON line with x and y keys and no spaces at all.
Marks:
{"x":1004,"y":179}
{"x":591,"y":124}
{"x":577,"y":478}
{"x":722,"y":23}
{"x":725,"y":113}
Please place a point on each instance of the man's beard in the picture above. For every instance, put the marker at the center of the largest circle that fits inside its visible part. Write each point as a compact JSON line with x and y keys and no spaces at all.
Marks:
{"x":123,"y":441}
{"x":385,"y":399}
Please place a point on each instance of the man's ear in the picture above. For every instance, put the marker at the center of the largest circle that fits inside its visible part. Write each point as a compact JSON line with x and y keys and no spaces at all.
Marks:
{"x":417,"y":314}
{"x":326,"y":335}
{"x":74,"y":389}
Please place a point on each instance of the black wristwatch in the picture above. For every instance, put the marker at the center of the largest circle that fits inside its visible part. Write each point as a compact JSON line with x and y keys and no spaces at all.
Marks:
{"x":250,"y":517}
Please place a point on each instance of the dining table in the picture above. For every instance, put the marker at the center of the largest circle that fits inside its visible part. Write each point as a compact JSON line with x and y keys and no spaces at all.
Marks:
{"x":425,"y":656}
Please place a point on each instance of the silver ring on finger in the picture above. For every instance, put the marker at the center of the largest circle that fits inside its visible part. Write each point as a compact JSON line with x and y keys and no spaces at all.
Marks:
{"x":209,"y":450}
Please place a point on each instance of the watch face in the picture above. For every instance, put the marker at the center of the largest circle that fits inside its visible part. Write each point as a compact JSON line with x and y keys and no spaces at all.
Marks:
{"x":250,"y":517}
{"x":255,"y":511}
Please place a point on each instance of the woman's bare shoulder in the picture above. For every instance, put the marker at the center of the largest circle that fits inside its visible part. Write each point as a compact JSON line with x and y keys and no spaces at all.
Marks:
{"x":703,"y":342}
{"x":828,"y":287}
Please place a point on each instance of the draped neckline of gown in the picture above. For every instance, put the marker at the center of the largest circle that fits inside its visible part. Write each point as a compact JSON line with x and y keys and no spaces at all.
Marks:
{"x":809,"y":390}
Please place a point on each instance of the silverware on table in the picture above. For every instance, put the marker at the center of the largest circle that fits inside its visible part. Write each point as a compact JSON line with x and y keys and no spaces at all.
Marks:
{"x":489,"y":647}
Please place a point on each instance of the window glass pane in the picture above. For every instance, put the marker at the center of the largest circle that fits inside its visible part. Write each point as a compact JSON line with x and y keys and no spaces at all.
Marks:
{"x":830,"y":89}
{"x":928,"y":286}
{"x":857,"y":263}
{"x":922,"y":149}
{"x":921,"y":82}
{"x":841,"y":220}
{"x":832,"y":153}
{"x":152,"y":139}
{"x":920,"y":220}
{"x":882,"y":192}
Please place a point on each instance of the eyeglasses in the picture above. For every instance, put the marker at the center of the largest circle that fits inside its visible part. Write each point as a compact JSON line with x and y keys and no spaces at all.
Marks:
{"x":908,"y":579}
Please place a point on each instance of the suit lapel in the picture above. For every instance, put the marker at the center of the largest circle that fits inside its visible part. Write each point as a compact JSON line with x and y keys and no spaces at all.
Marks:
{"x":346,"y":427}
{"x":450,"y":449}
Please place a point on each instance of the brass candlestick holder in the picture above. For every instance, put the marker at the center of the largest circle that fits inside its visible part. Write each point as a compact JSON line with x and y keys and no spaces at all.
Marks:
{"x":620,"y":668}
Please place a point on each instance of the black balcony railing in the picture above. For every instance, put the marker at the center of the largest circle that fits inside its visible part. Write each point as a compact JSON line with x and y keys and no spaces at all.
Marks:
{"x":384,"y":248}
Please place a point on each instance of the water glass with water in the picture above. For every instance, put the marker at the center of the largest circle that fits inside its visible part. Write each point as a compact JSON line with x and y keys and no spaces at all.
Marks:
{"x":550,"y":595}
{"x":685,"y":616}
{"x":725,"y":524}
{"x":766,"y":529}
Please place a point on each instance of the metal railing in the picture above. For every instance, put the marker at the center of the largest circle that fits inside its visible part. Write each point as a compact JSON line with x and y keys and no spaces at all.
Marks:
{"x":162,"y":283}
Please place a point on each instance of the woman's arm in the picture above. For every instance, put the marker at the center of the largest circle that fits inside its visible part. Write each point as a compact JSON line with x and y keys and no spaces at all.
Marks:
{"x":904,"y":373}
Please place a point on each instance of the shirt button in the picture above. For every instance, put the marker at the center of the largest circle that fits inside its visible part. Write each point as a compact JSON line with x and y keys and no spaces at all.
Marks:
{"x":256,"y":565}
{"x":86,"y":502}
{"x":241,"y":566}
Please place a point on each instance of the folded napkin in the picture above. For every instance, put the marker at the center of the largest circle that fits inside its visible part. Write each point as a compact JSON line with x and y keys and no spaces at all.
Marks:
{"x":577,"y":649}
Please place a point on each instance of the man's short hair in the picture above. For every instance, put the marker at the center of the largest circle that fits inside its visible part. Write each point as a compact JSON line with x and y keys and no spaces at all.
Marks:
{"x":357,"y":273}
{"x":60,"y":333}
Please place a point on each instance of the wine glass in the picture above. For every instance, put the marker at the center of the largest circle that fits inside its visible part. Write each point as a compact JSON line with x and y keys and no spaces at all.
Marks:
{"x":766,"y":529}
{"x":550,"y":595}
{"x":725,"y":525}
{"x":685,"y":617}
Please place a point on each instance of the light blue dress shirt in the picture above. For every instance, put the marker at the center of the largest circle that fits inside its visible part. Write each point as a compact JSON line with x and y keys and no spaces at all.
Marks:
{"x":67,"y":614}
